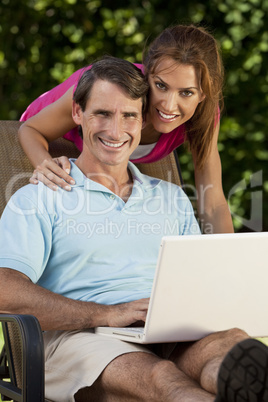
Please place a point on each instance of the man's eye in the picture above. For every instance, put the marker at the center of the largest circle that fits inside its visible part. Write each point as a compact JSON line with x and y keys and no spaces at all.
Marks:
{"x":103,"y":113}
{"x":130,"y":114}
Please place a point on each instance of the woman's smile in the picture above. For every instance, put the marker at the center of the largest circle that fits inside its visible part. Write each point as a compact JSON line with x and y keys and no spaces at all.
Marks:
{"x":166,"y":116}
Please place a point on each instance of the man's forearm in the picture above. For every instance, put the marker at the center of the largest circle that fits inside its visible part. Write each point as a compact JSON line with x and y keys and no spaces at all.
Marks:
{"x":18,"y":295}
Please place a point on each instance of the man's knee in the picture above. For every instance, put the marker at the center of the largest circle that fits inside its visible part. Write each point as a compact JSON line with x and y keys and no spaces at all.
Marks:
{"x":233,"y":335}
{"x":219,"y":343}
{"x":160,"y":369}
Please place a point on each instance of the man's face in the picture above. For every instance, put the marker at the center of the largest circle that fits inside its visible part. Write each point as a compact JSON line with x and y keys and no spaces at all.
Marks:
{"x":111,"y":124}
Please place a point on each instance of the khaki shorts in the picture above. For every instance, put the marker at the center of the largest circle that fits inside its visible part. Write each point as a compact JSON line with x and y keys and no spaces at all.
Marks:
{"x":75,"y":359}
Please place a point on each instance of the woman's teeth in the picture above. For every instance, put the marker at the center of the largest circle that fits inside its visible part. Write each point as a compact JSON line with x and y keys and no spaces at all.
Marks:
{"x":112,"y":144}
{"x":167,"y":116}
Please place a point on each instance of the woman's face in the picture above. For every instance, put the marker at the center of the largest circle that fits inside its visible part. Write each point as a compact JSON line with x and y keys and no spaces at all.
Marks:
{"x":174,"y":95}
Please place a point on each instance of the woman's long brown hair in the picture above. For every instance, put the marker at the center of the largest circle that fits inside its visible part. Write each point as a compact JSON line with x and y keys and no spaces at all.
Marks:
{"x":191,"y":45}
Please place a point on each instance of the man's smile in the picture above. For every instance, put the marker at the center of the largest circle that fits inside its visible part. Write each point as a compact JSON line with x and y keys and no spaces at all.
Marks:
{"x":112,"y":144}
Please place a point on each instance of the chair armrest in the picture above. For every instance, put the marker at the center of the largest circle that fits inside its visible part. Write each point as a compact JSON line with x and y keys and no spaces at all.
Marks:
{"x":24,"y":350}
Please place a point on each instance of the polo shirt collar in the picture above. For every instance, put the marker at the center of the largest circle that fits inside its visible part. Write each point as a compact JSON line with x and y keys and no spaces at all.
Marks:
{"x":148,"y":183}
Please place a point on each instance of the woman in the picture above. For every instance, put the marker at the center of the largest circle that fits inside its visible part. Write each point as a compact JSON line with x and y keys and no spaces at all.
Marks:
{"x":185,"y":75}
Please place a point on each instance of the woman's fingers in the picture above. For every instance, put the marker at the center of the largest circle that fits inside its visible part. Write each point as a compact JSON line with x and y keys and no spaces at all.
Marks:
{"x":53,"y":174}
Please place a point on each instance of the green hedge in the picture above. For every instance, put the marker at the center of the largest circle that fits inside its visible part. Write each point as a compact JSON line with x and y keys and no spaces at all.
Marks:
{"x":44,"y":41}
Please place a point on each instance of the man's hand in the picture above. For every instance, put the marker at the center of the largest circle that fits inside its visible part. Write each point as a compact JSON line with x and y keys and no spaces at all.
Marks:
{"x":122,"y":315}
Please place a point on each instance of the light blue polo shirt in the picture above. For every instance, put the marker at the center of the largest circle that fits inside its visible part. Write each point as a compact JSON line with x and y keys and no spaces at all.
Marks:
{"x":88,"y":244}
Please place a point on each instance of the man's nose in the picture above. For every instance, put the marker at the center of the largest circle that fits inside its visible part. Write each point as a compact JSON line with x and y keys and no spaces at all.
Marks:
{"x":116,"y":128}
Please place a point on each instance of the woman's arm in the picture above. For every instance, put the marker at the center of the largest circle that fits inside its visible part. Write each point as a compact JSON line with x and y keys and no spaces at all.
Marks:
{"x":213,"y":210}
{"x":50,"y":123}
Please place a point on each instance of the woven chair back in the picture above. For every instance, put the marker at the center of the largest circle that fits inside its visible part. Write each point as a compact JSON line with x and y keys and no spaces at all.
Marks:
{"x":16,"y":170}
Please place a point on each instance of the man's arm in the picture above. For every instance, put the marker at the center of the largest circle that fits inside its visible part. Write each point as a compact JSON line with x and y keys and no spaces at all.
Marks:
{"x":18,"y":295}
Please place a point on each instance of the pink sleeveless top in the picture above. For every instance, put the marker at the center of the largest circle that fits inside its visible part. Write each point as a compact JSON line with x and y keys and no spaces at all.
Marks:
{"x":164,"y":146}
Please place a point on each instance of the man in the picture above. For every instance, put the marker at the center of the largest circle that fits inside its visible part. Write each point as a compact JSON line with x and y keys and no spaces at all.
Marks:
{"x":86,"y":258}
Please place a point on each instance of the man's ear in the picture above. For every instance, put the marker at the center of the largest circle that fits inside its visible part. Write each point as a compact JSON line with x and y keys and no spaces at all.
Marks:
{"x":77,"y":113}
{"x":143,"y":123}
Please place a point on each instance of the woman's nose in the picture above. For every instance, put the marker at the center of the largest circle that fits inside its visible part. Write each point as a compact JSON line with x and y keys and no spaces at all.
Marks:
{"x":171,"y":102}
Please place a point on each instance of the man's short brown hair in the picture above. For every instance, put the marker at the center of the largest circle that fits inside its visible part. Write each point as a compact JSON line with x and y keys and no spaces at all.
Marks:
{"x":116,"y":71}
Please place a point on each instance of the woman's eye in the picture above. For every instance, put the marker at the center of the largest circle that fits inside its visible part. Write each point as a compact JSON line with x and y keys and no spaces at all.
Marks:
{"x":186,"y":93}
{"x":160,"y":85}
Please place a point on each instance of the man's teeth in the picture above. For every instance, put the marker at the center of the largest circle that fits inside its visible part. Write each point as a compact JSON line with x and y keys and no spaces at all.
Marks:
{"x":167,"y":116}
{"x":112,"y":144}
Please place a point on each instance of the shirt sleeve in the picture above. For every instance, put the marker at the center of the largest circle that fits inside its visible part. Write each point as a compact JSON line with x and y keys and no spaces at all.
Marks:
{"x":25,"y":235}
{"x":191,"y":226}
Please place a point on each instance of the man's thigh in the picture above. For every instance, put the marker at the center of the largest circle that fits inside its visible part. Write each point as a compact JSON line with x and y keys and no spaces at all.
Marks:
{"x":75,"y":359}
{"x":126,"y":378}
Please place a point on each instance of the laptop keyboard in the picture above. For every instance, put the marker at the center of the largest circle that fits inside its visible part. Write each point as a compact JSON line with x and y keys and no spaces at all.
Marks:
{"x":137,"y":330}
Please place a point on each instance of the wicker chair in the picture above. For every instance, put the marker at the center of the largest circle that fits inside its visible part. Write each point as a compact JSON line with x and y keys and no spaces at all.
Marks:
{"x":22,"y":359}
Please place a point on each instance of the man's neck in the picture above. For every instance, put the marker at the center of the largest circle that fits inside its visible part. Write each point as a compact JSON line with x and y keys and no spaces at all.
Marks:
{"x":117,"y":179}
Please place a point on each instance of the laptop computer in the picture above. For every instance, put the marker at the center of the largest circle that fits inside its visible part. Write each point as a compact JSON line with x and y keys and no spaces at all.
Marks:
{"x":205,"y":284}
